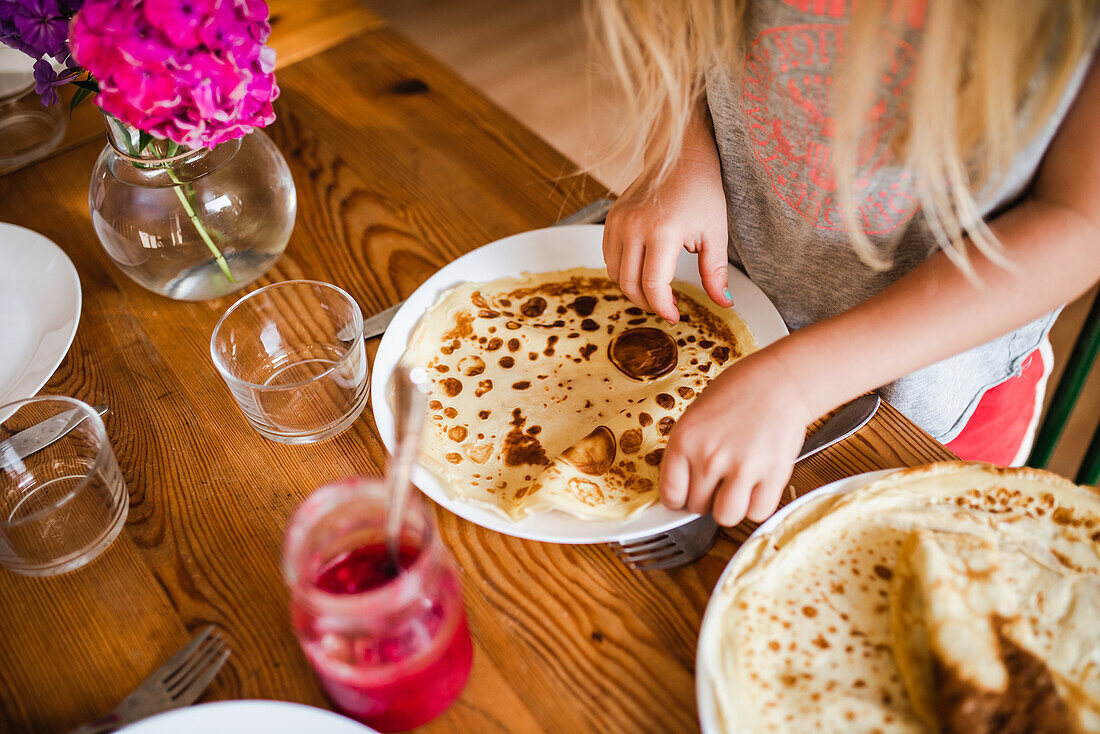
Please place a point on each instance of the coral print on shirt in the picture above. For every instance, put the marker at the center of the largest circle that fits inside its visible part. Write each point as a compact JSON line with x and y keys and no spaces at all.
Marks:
{"x":786,"y":96}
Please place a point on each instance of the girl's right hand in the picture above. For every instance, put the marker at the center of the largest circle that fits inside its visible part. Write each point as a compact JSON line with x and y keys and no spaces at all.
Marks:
{"x":647,"y":227}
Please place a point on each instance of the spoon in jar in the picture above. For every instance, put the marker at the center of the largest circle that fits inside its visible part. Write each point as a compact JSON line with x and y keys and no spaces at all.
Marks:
{"x":410,"y":388}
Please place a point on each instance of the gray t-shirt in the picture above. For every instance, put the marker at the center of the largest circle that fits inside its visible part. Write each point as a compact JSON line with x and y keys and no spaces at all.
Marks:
{"x":773,"y":126}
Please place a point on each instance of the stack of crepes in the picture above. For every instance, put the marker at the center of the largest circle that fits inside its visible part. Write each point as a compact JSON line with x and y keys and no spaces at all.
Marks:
{"x":552,"y":391}
{"x":955,"y":597}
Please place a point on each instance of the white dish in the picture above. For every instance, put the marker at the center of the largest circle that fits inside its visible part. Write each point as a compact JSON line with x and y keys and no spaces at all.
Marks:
{"x":39,"y":310}
{"x":248,"y":717}
{"x":704,"y":698}
{"x":539,"y":251}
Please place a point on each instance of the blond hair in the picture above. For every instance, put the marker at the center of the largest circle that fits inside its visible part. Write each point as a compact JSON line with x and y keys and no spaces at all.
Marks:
{"x":991,"y":53}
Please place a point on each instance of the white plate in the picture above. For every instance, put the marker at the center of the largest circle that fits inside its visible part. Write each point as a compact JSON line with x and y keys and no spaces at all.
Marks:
{"x":539,"y":251}
{"x":248,"y":717}
{"x":39,"y":310}
{"x":704,"y":698}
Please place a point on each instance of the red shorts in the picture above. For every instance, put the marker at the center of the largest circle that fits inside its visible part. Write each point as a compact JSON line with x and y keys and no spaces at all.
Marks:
{"x":1003,"y":425}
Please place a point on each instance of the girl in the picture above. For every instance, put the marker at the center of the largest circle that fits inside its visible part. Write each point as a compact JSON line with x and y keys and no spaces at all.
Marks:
{"x":915,"y":184}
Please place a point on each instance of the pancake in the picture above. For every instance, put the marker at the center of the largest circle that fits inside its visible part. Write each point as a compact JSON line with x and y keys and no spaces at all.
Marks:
{"x":854,"y":611}
{"x":526,"y":367}
{"x":994,"y":634}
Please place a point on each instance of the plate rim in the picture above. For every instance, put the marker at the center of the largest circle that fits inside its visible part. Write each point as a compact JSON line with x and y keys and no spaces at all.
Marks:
{"x":393,"y":344}
{"x":36,"y":384}
{"x":252,"y":704}
{"x":708,"y":716}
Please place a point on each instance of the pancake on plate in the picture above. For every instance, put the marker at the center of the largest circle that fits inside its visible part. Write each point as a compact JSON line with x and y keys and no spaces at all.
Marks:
{"x":552,"y":391}
{"x":954,"y":597}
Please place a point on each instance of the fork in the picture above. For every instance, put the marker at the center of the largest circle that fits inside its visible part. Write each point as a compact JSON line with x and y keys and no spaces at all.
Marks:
{"x":689,"y":542}
{"x":179,"y":682}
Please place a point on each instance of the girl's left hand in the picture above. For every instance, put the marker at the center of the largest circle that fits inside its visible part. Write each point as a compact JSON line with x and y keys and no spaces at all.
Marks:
{"x":733,"y":450}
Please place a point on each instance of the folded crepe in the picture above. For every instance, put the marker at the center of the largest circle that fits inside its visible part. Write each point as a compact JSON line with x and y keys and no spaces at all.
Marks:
{"x":953,"y":596}
{"x":996,"y":634}
{"x":552,"y":391}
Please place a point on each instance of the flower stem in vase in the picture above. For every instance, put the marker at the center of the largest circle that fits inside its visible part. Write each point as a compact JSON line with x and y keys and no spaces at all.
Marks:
{"x":218,"y":256}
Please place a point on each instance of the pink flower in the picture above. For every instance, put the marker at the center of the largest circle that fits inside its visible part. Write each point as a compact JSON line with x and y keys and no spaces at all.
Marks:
{"x":179,"y":20}
{"x":196,"y":72}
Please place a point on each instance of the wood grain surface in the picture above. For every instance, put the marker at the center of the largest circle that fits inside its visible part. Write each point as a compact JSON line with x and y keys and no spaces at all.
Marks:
{"x":400,"y":167}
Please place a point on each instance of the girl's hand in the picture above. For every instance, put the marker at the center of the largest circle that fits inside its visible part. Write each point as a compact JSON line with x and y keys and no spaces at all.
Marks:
{"x":647,"y":227}
{"x":732,"y":451}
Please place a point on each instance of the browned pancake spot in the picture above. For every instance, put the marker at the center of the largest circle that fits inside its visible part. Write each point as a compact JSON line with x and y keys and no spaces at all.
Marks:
{"x":513,"y":345}
{"x":637,"y":321}
{"x":512,"y":325}
{"x":593,"y":454}
{"x":653,"y":458}
{"x":643,"y":354}
{"x":454,"y":458}
{"x":644,"y":419}
{"x":550,"y":342}
{"x":506,"y":362}
{"x":480,"y":454}
{"x":441,"y":368}
{"x":587,"y":350}
{"x":463,"y":328}
{"x":450,"y":412}
{"x":521,"y":448}
{"x":521,"y":385}
{"x":471,"y":366}
{"x":685,"y":392}
{"x":583,"y":306}
{"x":484,"y":414}
{"x":665,"y":400}
{"x":533,"y":307}
{"x":451,"y":386}
{"x":883,"y":572}
{"x":457,"y":434}
{"x":1030,"y":702}
{"x":664,"y":426}
{"x":631,"y":441}
{"x":494,"y":344}
{"x":483,"y":387}
{"x":435,"y":405}
{"x":589,"y":325}
{"x":720,"y":355}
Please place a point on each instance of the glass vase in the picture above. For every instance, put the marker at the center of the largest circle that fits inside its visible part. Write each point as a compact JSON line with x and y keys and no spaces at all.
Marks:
{"x":191,"y":224}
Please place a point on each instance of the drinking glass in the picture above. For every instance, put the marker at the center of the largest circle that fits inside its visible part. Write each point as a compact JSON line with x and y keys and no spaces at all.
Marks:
{"x":293,"y":357}
{"x":62,"y":505}
{"x":391,"y":648}
{"x":28,"y":129}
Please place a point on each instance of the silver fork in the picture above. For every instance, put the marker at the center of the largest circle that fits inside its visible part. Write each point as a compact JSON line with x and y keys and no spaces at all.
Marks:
{"x":179,"y":682}
{"x":689,"y":542}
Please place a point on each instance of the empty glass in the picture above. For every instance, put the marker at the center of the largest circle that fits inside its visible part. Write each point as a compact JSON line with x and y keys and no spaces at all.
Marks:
{"x":293,"y":356}
{"x":62,"y":504}
{"x":28,"y":129}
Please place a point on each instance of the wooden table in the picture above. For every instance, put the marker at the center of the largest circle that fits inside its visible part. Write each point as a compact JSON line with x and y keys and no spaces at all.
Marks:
{"x":400,"y":168}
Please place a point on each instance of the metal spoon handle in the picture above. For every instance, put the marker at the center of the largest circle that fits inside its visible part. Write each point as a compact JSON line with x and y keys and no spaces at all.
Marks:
{"x":410,"y":387}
